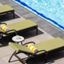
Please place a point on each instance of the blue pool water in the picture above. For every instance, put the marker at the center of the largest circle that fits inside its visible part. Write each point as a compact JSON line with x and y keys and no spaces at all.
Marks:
{"x":50,"y":10}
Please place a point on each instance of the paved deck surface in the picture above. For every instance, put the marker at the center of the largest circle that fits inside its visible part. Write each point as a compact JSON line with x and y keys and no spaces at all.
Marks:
{"x":46,"y":31}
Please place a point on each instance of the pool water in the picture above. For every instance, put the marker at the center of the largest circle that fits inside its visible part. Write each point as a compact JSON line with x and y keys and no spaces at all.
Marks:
{"x":50,"y":10}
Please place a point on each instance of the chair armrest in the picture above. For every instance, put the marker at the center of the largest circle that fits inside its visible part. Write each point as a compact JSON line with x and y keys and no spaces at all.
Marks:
{"x":3,"y":23}
{"x":29,"y":43}
{"x":41,"y":51}
{"x":12,"y":30}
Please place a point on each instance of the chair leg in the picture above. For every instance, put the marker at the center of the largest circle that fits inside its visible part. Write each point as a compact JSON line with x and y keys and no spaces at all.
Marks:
{"x":36,"y":31}
{"x":1,"y":35}
{"x":46,"y":57}
{"x":13,"y":14}
{"x":21,"y":60}
{"x":12,"y":56}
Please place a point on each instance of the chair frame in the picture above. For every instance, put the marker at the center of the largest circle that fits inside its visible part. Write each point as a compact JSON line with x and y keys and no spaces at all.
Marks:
{"x":11,"y":11}
{"x":23,"y":60}
{"x":54,"y":48}
{"x":16,"y":32}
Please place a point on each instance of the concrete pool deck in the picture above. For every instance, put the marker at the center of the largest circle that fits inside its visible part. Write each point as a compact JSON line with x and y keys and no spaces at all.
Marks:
{"x":46,"y":31}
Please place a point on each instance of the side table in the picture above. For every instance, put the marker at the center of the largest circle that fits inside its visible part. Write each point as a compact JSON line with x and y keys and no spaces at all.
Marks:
{"x":18,"y":39}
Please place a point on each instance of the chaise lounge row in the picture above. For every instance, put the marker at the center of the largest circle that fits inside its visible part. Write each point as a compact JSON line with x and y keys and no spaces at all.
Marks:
{"x":27,"y":25}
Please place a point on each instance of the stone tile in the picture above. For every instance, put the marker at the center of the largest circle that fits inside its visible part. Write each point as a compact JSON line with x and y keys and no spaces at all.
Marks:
{"x":39,"y":38}
{"x":59,"y":33}
{"x":2,"y":62}
{"x":59,"y":61}
{"x":5,"y":51}
{"x":14,"y":20}
{"x":14,"y":60}
{"x":29,"y":16}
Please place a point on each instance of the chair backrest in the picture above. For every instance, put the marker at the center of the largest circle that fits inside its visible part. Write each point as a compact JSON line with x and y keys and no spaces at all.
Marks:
{"x":19,"y":47}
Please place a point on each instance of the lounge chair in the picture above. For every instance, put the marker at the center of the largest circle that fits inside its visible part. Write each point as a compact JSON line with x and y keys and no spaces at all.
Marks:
{"x":26,"y":25}
{"x":43,"y":48}
{"x":4,"y":9}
